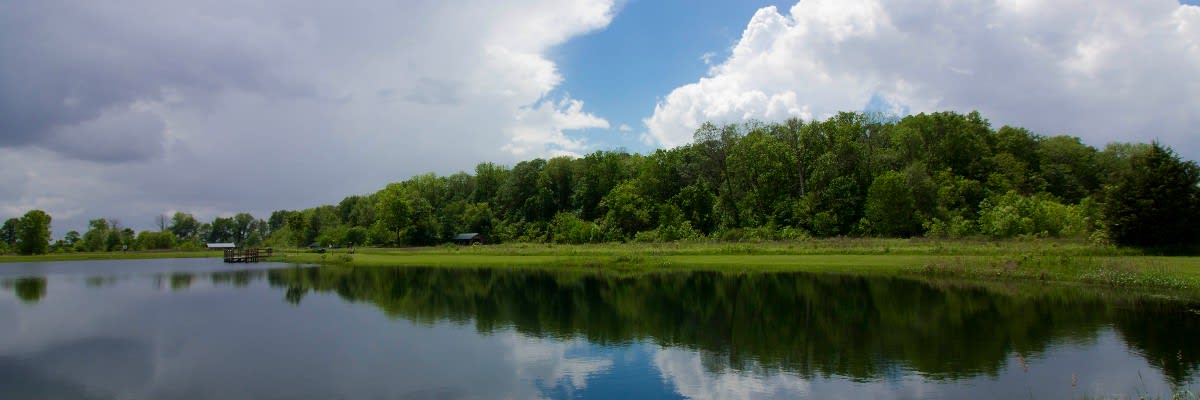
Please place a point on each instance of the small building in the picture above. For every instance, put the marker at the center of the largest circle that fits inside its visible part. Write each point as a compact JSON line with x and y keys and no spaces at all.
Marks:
{"x":467,"y":239}
{"x":221,"y":246}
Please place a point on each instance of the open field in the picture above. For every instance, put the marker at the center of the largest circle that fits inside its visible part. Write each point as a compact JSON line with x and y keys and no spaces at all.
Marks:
{"x":1024,"y":260}
{"x":1011,"y":260}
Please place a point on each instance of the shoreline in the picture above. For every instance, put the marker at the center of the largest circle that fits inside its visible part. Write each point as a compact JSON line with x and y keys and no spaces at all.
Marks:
{"x":1017,"y":261}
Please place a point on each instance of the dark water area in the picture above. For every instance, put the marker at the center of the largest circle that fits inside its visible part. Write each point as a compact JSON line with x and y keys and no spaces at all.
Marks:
{"x":201,"y":329}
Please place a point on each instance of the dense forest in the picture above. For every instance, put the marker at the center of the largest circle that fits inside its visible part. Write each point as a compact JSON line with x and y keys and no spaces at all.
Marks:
{"x":943,"y":174}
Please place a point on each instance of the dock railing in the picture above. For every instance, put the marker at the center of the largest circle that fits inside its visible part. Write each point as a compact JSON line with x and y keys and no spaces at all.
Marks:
{"x":247,"y":255}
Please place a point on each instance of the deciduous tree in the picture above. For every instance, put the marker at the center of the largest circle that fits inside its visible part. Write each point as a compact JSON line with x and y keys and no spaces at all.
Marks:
{"x":33,"y":233}
{"x":1157,"y":203}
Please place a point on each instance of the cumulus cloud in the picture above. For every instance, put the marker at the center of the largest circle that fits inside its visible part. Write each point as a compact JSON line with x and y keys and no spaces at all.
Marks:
{"x":686,"y":371}
{"x":1108,"y":70}
{"x":549,"y":361}
{"x":293,"y":103}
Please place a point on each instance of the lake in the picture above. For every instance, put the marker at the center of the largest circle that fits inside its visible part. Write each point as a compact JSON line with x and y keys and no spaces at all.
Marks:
{"x":201,"y":329}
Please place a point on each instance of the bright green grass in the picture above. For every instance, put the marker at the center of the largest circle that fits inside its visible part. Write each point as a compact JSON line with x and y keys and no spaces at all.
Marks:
{"x":1018,"y":260}
{"x":1013,"y":260}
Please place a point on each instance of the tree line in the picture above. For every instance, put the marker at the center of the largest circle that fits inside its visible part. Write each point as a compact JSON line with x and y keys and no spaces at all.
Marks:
{"x":943,"y":174}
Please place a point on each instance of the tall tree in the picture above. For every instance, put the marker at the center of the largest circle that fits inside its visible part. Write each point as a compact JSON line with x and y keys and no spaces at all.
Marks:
{"x":94,"y":237}
{"x":1069,"y":167}
{"x":184,"y":226}
{"x":891,"y":207}
{"x":1157,"y":203}
{"x":8,"y":233}
{"x":71,"y":238}
{"x":222,"y":230}
{"x":393,"y":209}
{"x":33,"y":233}
{"x":244,"y":226}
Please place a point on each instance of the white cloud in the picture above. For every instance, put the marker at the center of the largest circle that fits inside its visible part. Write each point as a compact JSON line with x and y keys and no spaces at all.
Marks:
{"x":685,"y":371}
{"x":547,"y":360}
{"x":1109,"y":70}
{"x":539,"y":129}
{"x":285,"y":104}
{"x":625,"y":128}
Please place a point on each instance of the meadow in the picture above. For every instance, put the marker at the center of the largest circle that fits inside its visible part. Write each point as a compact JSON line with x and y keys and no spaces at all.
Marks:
{"x":1007,"y":260}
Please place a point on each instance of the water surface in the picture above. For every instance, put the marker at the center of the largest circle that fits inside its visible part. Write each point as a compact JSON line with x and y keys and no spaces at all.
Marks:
{"x":201,"y":329}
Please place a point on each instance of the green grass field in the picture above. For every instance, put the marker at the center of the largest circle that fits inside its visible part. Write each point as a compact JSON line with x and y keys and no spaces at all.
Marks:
{"x":1012,"y":260}
{"x":1019,"y":260}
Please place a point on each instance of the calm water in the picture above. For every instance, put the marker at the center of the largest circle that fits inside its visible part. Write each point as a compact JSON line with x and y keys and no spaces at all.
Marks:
{"x":200,"y":329}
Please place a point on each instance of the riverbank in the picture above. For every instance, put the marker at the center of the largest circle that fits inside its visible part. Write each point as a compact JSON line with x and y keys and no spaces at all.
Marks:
{"x":996,"y":261}
{"x":1017,"y":260}
{"x":115,"y":255}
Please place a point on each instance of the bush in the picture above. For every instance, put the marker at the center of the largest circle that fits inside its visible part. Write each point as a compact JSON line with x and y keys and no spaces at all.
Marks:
{"x":955,"y":227}
{"x":1012,"y":215}
{"x":569,"y":228}
{"x":155,"y":240}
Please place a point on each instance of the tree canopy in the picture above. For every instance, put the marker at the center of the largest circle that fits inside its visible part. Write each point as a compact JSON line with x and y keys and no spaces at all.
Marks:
{"x":1157,"y":202}
{"x":852,"y":174}
{"x":33,"y":233}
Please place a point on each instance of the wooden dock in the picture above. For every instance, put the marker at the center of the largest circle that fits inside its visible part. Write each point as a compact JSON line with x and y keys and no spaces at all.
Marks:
{"x":247,"y":255}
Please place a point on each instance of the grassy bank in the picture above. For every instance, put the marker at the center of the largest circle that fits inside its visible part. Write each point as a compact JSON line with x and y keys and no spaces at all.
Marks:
{"x":1021,"y":260}
{"x":993,"y":261}
{"x":116,"y":255}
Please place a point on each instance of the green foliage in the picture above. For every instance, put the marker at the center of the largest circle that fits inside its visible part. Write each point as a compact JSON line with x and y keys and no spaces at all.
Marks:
{"x":30,"y":289}
{"x":357,"y":236}
{"x":943,"y":174}
{"x":891,"y":207}
{"x":71,"y":238}
{"x":955,"y":227}
{"x":672,"y":226}
{"x":395,"y":213}
{"x":148,"y":240}
{"x":569,"y":228}
{"x":184,"y":226}
{"x":1012,"y":215}
{"x":625,"y":210}
{"x":1157,"y":204}
{"x":942,"y":329}
{"x":33,"y":233}
{"x":334,"y":236}
{"x":1069,"y":168}
{"x":8,"y":233}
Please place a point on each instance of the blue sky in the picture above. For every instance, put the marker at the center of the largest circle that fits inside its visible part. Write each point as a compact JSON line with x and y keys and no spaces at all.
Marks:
{"x":650,"y":48}
{"x":131,"y":109}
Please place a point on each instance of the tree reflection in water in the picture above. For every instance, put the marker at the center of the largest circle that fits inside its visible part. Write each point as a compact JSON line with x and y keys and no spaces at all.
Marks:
{"x":810,"y":325}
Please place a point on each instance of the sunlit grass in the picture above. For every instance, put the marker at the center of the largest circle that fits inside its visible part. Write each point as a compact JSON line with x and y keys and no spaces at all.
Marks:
{"x":1015,"y":260}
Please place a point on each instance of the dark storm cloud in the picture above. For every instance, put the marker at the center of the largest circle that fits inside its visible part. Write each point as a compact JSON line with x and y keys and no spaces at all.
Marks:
{"x":111,"y":137}
{"x":131,"y":108}
{"x":67,"y":66}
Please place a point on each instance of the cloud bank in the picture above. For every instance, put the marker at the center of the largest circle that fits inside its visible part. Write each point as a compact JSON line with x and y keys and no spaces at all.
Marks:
{"x":132,"y":108}
{"x":1106,"y":70}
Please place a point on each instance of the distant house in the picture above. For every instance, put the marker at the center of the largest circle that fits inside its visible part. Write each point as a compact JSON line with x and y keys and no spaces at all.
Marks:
{"x":467,"y":239}
{"x":221,"y":246}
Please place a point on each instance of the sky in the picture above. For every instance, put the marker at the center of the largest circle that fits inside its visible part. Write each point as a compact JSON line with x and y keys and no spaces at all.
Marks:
{"x":134,"y":108}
